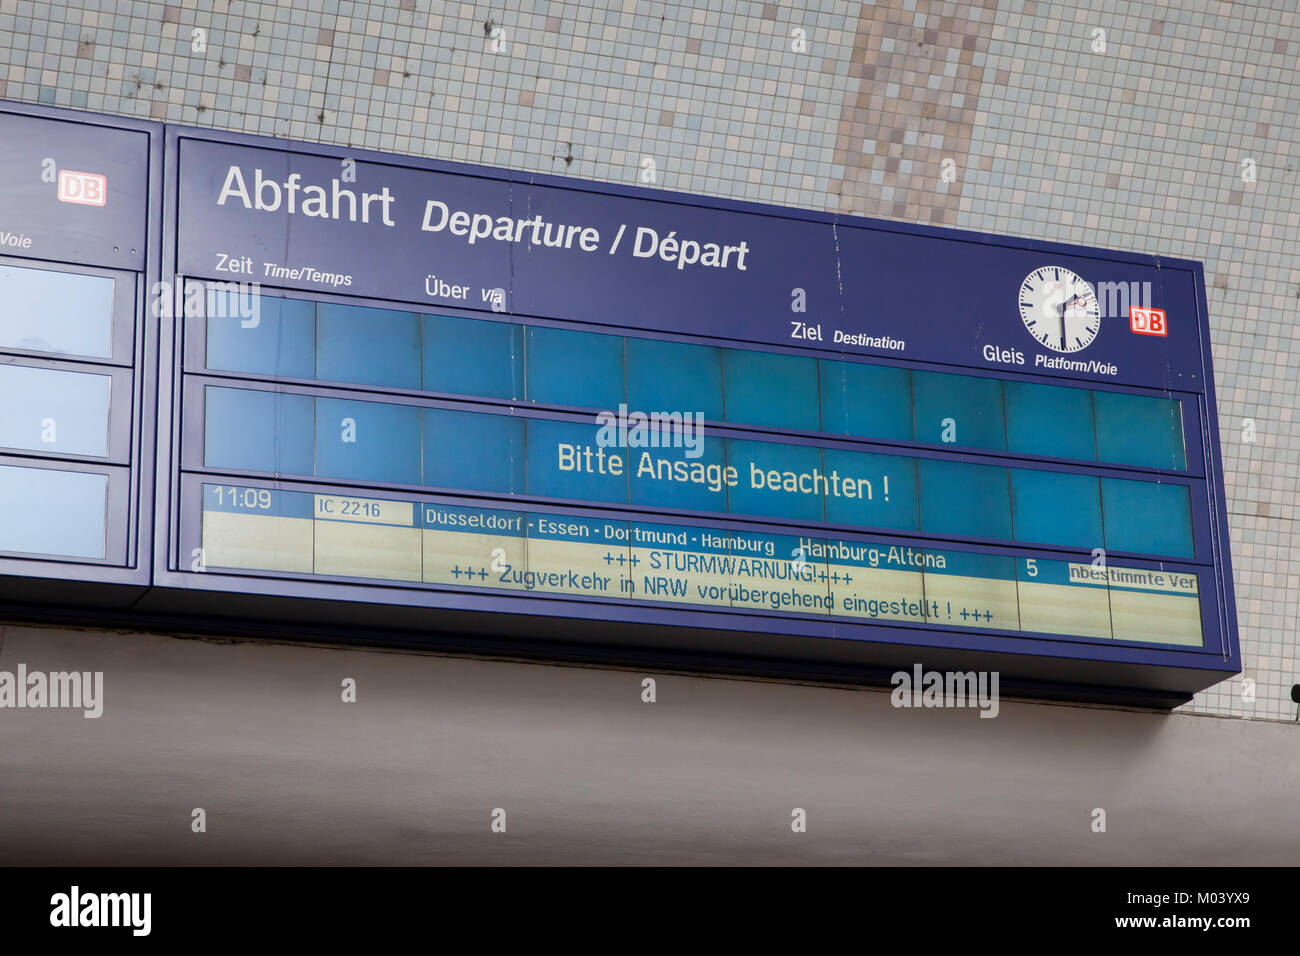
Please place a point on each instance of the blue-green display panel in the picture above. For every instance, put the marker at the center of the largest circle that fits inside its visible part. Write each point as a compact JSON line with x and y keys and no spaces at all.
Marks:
{"x":277,"y":433}
{"x":481,"y":358}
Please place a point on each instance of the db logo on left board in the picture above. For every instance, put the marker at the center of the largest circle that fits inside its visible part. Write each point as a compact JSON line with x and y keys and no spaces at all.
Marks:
{"x":86,"y":189}
{"x":1147,"y":321}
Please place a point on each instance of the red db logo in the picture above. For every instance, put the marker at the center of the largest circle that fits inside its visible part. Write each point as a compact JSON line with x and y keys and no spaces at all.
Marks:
{"x":86,"y":189}
{"x":1147,"y":321}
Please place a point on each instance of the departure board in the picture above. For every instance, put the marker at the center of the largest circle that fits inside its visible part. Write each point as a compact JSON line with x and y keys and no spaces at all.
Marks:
{"x":527,"y":398}
{"x":80,"y":200}
{"x":408,"y":401}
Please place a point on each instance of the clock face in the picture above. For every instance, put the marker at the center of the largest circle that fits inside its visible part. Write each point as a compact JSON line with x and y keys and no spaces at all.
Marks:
{"x":1059,"y":309}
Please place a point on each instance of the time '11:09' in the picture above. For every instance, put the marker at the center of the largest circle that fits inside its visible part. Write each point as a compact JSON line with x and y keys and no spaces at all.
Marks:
{"x":250,"y":498}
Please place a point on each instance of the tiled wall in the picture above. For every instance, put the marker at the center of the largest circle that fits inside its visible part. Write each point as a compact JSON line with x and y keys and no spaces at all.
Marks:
{"x":1140,"y":145}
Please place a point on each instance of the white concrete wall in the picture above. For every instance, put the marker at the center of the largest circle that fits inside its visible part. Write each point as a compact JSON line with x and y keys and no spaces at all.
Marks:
{"x":258,"y":736}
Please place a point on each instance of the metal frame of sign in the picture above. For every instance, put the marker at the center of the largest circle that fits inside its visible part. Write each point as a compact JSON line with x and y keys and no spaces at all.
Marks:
{"x":125,"y":572}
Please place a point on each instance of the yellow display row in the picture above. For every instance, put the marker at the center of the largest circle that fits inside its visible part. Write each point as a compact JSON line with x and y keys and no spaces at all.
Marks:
{"x":349,"y":538}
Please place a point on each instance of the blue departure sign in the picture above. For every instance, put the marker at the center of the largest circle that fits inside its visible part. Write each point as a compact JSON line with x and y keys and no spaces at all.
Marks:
{"x":403,"y":400}
{"x":739,"y":431}
{"x":80,"y":210}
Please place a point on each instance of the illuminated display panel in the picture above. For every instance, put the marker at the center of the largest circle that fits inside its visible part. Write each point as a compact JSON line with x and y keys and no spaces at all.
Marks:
{"x":288,"y":433}
{"x":427,"y":401}
{"x":57,"y":312}
{"x":251,"y":528}
{"x":478,"y":358}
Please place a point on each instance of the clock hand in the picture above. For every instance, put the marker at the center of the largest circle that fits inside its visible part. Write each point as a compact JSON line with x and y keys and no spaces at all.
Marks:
{"x":1065,"y":307}
{"x":1076,"y":300}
